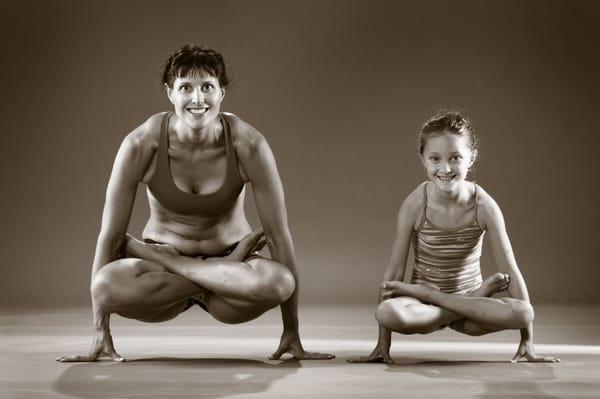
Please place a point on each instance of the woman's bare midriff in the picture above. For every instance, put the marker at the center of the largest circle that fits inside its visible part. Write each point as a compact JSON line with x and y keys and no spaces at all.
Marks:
{"x":197,"y":235}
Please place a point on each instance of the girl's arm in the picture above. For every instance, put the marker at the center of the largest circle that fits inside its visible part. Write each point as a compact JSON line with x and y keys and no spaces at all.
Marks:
{"x":405,"y":226}
{"x":130,"y":164}
{"x":260,"y":168}
{"x":492,"y":220}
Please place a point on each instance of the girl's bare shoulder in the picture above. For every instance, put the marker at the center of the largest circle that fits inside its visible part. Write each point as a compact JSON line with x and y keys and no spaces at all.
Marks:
{"x":487,"y":207}
{"x":413,"y":204}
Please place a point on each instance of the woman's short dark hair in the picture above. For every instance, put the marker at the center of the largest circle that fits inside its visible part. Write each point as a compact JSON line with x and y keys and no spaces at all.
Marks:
{"x":190,"y":60}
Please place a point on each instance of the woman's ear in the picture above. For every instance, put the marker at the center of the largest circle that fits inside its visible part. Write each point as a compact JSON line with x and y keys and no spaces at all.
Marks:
{"x":169,"y":91}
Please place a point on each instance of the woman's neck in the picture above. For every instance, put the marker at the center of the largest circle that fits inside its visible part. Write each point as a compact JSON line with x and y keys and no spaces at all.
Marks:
{"x":206,"y":136}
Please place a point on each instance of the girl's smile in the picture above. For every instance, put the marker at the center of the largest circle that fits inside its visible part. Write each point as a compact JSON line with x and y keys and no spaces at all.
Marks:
{"x":447,"y":158}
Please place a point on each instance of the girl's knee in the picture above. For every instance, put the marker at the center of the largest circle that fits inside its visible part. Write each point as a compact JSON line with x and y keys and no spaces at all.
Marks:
{"x":390,"y":317}
{"x":523,"y":313}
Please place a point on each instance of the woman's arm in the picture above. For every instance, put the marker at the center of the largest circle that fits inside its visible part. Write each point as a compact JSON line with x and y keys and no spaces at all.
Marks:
{"x":491,"y":219}
{"x":260,"y":168}
{"x":130,"y":164}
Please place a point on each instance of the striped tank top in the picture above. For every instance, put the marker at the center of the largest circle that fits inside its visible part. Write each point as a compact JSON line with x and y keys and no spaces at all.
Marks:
{"x":448,"y":257}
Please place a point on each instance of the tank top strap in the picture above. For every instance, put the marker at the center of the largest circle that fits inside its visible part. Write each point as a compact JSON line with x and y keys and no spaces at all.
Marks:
{"x":476,"y":199}
{"x":424,"y":214}
{"x":164,"y":138}
{"x":161,"y":170}
{"x":232,"y":161}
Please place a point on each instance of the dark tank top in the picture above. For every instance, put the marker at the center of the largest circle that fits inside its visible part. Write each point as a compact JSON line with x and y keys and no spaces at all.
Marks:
{"x":163,"y":187}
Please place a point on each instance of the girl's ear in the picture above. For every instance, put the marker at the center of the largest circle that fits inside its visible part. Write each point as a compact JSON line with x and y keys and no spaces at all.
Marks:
{"x":473,"y":157}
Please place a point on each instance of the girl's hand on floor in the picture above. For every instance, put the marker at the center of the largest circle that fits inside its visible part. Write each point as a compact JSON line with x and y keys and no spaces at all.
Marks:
{"x":527,"y":352}
{"x":379,"y":355}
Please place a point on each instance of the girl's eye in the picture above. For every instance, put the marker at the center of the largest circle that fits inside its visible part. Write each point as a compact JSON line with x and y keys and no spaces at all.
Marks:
{"x":184,"y":88}
{"x":434,"y":158}
{"x":456,"y":158}
{"x":207,"y":88}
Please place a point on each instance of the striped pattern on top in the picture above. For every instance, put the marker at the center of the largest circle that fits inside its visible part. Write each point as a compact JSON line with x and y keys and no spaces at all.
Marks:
{"x":448,"y":258}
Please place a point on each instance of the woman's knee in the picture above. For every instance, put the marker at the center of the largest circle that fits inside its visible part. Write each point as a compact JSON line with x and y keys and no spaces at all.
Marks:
{"x":115,"y":282}
{"x":275,"y":285}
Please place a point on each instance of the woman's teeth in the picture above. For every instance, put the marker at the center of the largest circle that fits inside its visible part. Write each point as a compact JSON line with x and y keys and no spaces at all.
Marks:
{"x":445,"y":178}
{"x":197,"y":111}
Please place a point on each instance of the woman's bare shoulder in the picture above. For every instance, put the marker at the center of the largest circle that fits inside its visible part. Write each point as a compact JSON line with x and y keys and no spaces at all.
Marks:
{"x":148,"y":132}
{"x":246,"y":138}
{"x":139,"y":145}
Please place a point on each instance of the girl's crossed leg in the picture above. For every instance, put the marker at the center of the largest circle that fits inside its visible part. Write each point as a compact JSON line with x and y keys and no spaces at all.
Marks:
{"x":414,"y":308}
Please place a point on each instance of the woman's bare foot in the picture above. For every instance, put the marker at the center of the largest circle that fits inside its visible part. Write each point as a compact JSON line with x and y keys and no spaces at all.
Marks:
{"x":138,"y":249}
{"x":495,"y":283}
{"x":255,"y":241}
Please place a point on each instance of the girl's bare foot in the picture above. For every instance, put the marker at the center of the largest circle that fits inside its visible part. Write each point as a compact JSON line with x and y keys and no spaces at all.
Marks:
{"x":495,"y":283}
{"x":138,"y":249}
{"x":392,"y":289}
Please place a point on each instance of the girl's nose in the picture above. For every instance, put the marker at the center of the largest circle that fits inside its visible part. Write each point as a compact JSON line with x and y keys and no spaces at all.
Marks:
{"x":445,"y":167}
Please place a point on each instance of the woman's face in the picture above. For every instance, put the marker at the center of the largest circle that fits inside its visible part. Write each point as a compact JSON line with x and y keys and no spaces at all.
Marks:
{"x":196,"y":99}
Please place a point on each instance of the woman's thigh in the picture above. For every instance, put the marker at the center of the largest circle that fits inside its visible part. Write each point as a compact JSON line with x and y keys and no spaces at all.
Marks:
{"x":133,"y":286}
{"x":276,"y":286}
{"x":146,"y":291}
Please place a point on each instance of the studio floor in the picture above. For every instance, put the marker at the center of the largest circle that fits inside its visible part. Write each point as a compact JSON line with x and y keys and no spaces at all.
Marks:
{"x":195,"y":356}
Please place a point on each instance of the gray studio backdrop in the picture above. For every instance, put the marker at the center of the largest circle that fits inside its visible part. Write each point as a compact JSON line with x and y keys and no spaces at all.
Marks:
{"x":340,"y":89}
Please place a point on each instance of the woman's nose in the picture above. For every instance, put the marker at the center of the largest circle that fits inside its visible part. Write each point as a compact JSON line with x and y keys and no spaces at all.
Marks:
{"x":197,"y":96}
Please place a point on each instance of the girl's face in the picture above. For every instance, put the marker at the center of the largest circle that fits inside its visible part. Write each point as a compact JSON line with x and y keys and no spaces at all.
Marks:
{"x":197,"y":99}
{"x":447,"y":158}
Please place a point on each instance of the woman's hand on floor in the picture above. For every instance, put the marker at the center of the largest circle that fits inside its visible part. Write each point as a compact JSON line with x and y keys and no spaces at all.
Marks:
{"x":102,"y":347}
{"x":290,"y":343}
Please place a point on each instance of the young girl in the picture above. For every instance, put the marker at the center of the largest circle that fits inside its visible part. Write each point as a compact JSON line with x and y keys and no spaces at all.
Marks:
{"x":445,"y":218}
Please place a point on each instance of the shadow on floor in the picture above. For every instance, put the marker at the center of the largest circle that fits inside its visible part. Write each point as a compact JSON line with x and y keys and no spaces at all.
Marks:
{"x":498,"y":379}
{"x":171,"y":378}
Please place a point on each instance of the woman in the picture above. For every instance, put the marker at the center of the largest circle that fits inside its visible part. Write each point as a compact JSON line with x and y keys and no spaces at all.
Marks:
{"x":198,"y":246}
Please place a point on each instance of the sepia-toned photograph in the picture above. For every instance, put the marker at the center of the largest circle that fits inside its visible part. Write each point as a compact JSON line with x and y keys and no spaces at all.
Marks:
{"x":300,"y":199}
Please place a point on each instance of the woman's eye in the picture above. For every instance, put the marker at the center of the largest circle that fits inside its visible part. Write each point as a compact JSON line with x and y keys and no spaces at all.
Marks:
{"x":455,"y":158}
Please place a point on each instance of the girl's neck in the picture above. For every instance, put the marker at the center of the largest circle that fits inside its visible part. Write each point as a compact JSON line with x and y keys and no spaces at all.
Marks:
{"x":459,"y":196}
